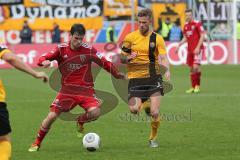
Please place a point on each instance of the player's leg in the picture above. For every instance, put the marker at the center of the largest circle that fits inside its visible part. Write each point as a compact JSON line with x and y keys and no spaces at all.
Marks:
{"x":197,"y":71}
{"x":91,"y":114}
{"x":92,"y":107}
{"x":146,"y":105}
{"x":5,"y":147}
{"x":193,"y":81}
{"x":5,"y":129}
{"x":44,"y":128}
{"x":134,"y":104}
{"x":136,"y":93}
{"x":190,"y":60}
{"x":62,"y":103}
{"x":155,"y":118}
{"x":146,"y":102}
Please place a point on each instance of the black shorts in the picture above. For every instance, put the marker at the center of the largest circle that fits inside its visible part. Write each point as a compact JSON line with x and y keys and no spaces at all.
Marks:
{"x":144,"y":87}
{"x":5,"y":127}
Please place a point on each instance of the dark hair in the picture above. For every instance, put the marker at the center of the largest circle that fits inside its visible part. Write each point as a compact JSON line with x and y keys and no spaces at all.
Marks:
{"x":177,"y":22}
{"x":145,"y":13}
{"x":78,"y":28}
{"x":188,"y":10}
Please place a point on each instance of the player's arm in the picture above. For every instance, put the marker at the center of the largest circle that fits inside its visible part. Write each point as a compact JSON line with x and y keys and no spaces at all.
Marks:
{"x":108,"y":66}
{"x":126,"y":53}
{"x":184,"y":39}
{"x":200,"y":42}
{"x":45,"y":60}
{"x":13,"y":60}
{"x":162,"y":58}
{"x":201,"y":39}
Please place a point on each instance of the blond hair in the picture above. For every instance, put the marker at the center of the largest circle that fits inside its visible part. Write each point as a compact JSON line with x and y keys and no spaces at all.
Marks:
{"x":145,"y":13}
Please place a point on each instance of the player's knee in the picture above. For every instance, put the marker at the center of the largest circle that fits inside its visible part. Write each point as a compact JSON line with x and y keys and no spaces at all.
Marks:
{"x":154,"y":115}
{"x":97,"y":113}
{"x":193,"y":71}
{"x":134,"y":105}
{"x":134,"y":110}
{"x":94,"y":113}
{"x":196,"y":68}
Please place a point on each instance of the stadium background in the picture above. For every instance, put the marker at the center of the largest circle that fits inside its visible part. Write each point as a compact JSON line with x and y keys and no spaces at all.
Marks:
{"x":98,"y":15}
{"x":203,"y":126}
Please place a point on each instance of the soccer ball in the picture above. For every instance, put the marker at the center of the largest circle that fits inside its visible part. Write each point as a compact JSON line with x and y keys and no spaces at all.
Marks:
{"x":91,"y":141}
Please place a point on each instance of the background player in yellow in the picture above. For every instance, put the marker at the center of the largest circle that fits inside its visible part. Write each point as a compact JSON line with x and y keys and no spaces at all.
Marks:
{"x":5,"y":129}
{"x":144,"y":51}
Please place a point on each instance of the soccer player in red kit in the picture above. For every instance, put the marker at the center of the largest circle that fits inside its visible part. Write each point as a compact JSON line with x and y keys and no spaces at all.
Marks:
{"x":194,"y":36}
{"x":74,"y":63}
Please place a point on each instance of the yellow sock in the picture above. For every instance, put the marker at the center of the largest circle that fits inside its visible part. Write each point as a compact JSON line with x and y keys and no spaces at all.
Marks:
{"x":145,"y":104}
{"x":154,"y":128}
{"x":5,"y":150}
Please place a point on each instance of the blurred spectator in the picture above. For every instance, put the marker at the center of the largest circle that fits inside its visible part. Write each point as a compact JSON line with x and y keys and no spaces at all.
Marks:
{"x":221,"y":31}
{"x":166,"y":27}
{"x":176,"y":32}
{"x":110,"y":33}
{"x":26,"y":33}
{"x":159,"y":29}
{"x":141,"y":3}
{"x":56,"y":34}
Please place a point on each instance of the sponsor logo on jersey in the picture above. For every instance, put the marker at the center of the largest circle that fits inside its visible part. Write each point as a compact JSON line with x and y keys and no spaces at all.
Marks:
{"x":152,"y":44}
{"x":74,"y":66}
{"x":82,"y":58}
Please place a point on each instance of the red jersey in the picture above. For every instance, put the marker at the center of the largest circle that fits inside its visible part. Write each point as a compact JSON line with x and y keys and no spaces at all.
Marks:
{"x":75,"y":65}
{"x":192,"y":31}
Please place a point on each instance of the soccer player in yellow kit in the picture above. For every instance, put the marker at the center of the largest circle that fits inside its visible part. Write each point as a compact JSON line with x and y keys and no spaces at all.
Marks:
{"x":5,"y":129}
{"x":144,"y":51}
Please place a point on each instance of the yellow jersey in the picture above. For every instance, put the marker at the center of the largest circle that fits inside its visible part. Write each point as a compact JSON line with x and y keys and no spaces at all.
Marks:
{"x":3,"y":50}
{"x":136,"y":42}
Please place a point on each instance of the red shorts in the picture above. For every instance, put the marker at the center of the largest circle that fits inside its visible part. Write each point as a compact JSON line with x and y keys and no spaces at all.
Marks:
{"x":194,"y":59}
{"x":66,"y":102}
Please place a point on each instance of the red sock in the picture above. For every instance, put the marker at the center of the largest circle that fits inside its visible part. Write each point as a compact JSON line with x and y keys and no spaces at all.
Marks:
{"x":41,"y":134}
{"x":82,"y":119}
{"x":193,"y":79}
{"x":198,"y":78}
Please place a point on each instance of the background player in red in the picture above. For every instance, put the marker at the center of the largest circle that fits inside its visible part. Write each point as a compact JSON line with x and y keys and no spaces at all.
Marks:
{"x":194,"y":36}
{"x":74,"y":63}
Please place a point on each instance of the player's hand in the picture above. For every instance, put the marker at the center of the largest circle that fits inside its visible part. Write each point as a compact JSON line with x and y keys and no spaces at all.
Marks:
{"x":46,"y":63}
{"x":196,"y":50}
{"x":41,"y":75}
{"x":132,"y":56}
{"x":122,"y":76}
{"x":167,"y":76}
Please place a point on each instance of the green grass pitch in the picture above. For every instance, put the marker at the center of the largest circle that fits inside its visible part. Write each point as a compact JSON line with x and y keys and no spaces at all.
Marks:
{"x":202,"y":126}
